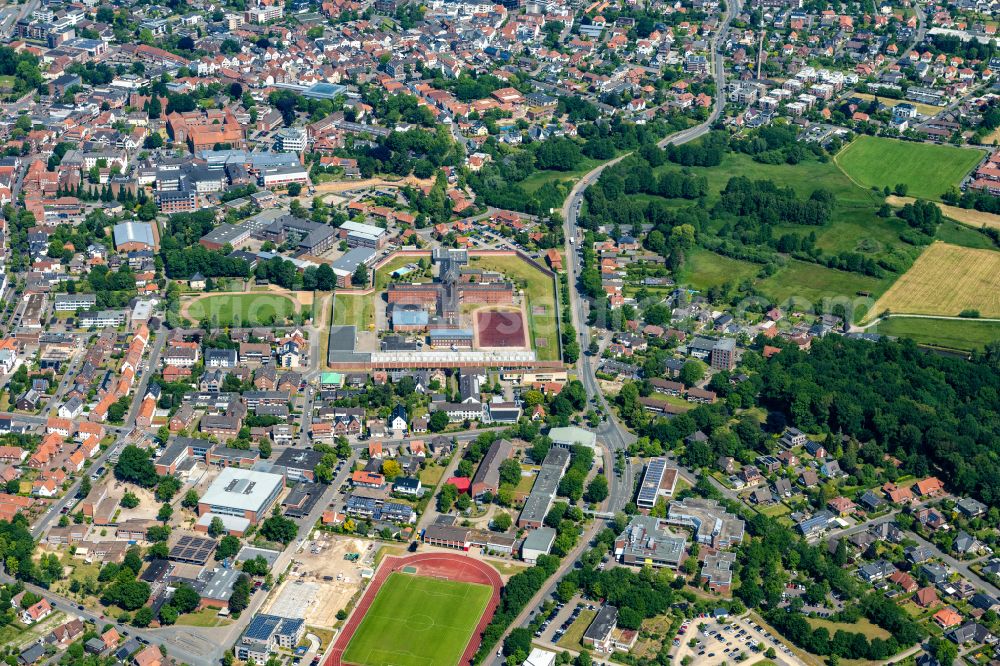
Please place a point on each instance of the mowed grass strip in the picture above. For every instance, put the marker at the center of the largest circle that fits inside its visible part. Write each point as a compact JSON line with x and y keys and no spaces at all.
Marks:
{"x":248,"y":309}
{"x":418,"y":621}
{"x":927,"y":169}
{"x":959,"y":334}
{"x":539,"y":291}
{"x":945,"y":280}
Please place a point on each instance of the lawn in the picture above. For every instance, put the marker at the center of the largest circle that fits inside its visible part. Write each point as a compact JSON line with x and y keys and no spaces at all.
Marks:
{"x":523,"y":487}
{"x":207,"y":617}
{"x":354,"y":311}
{"x":959,"y":234}
{"x":810,"y":284}
{"x":532,"y":183}
{"x":946,"y":280}
{"x":862,"y":626}
{"x":924,"y":109}
{"x":704,"y":269}
{"x":431,"y":475}
{"x":571,"y":640}
{"x":928,"y":170}
{"x":540,"y":292}
{"x":383,"y":272}
{"x":253,"y":309}
{"x":418,"y":621}
{"x":961,"y":334}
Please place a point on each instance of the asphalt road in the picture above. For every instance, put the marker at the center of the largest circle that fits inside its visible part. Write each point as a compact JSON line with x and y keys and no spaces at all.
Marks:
{"x":611,"y":434}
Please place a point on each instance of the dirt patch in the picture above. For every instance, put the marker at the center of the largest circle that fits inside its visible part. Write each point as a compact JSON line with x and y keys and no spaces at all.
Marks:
{"x":322,"y":582}
{"x":969,"y":217}
{"x":346,"y":185}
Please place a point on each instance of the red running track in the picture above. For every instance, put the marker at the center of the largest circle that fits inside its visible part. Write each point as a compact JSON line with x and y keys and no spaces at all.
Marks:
{"x":440,"y":565}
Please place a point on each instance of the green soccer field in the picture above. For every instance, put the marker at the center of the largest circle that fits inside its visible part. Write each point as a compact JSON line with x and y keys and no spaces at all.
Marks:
{"x":250,"y":309}
{"x":418,"y":621}
{"x":927,"y":169}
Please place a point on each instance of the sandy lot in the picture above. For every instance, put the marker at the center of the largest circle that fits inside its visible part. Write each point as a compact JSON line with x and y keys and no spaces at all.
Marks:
{"x":322,"y":582}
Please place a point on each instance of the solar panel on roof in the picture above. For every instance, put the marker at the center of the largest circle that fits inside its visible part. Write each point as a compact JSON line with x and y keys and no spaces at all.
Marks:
{"x":651,"y":481}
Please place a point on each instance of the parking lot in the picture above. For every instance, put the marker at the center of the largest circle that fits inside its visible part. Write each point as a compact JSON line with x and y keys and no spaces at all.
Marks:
{"x":725,"y":640}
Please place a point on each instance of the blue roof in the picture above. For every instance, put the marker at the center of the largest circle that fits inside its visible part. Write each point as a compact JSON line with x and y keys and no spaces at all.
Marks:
{"x":451,"y":333}
{"x":134,"y":232}
{"x":409,"y":317}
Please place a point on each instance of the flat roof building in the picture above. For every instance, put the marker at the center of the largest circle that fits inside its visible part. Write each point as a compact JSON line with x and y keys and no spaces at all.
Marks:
{"x":567,"y":437}
{"x":658,"y":481}
{"x":226,"y":234}
{"x":358,"y":234}
{"x":74,"y":302}
{"x":544,"y":489}
{"x":646,"y":541}
{"x":345,"y":266}
{"x":241,"y":493}
{"x":712,"y":524}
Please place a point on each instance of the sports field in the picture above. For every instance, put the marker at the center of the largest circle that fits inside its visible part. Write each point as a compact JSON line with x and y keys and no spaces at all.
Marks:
{"x":249,"y":309}
{"x":418,"y":621}
{"x":540,"y":295}
{"x":946,"y":280}
{"x":927,"y":169}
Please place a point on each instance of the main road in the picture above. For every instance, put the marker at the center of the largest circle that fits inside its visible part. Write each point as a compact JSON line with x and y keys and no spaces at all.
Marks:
{"x":611,"y":433}
{"x":615,"y":436}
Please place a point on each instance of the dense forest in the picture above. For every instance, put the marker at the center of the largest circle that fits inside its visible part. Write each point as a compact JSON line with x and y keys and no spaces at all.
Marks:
{"x":938,"y":415}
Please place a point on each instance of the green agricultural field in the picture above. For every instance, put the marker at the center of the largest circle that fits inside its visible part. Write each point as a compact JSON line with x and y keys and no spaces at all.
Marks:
{"x":418,"y":621}
{"x":540,"y":292}
{"x":927,"y":169}
{"x":248,"y":309}
{"x":960,"y":334}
